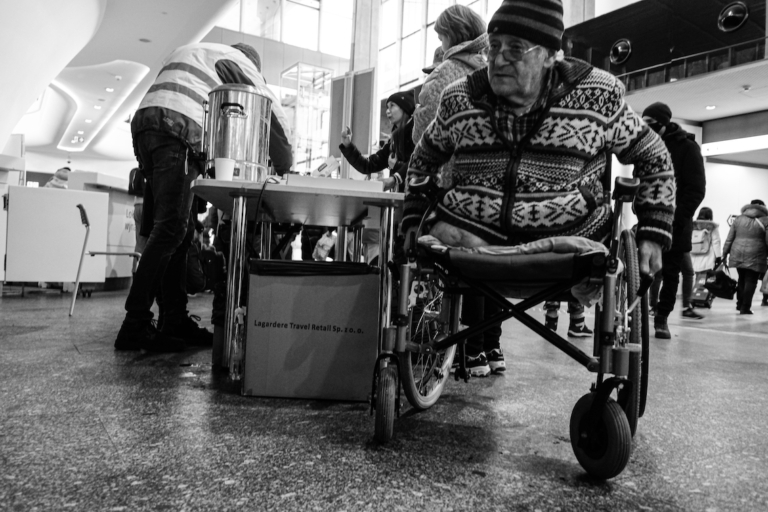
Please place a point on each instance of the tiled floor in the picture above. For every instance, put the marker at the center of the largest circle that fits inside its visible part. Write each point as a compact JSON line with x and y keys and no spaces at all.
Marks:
{"x":85,"y":428}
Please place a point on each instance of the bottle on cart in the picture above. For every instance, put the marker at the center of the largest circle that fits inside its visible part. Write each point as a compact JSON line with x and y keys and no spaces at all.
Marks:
{"x":296,"y":248}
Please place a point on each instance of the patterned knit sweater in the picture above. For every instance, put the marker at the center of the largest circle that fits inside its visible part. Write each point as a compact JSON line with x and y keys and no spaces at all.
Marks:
{"x":556,"y":163}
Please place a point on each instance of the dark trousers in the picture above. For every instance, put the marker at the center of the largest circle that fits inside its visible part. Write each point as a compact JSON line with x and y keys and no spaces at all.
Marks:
{"x":674,"y":262}
{"x":745,"y":289}
{"x":473,"y":311}
{"x":163,"y":266}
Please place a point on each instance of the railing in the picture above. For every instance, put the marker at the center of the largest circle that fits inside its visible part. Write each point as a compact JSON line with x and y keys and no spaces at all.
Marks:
{"x":693,"y":65}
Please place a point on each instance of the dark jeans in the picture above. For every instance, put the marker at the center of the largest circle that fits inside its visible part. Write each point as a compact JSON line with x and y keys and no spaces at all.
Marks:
{"x":673,"y":262}
{"x":473,"y":311}
{"x":163,"y":266}
{"x":745,"y":289}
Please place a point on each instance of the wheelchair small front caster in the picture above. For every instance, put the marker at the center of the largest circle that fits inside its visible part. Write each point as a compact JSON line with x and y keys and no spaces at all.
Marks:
{"x":602,"y":445}
{"x":386,"y":404}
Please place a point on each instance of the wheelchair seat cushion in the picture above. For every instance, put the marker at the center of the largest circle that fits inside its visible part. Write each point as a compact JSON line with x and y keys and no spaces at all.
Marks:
{"x":526,"y":267}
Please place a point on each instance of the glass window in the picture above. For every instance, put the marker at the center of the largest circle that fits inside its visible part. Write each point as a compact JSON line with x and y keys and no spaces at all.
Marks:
{"x":303,"y":28}
{"x":435,"y":7}
{"x":389,"y":24}
{"x":411,"y":60}
{"x":261,"y":18}
{"x":388,"y":73}
{"x":475,"y":5}
{"x":412,"y":13}
{"x":433,"y":43}
{"x":336,"y":27}
{"x":493,"y":6}
{"x":230,"y":19}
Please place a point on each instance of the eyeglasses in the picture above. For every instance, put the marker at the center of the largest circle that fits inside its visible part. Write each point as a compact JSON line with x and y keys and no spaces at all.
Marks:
{"x":511,"y":54}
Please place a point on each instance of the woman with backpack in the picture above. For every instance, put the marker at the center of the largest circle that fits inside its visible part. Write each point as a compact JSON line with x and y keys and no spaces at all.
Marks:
{"x":706,"y":248}
{"x":747,"y":247}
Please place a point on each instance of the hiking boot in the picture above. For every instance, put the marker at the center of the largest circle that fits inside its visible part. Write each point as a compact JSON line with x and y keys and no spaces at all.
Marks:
{"x":495,"y":359}
{"x":662,"y":331}
{"x":690,"y":313}
{"x":550,"y":322}
{"x":579,"y":330}
{"x":189,"y":331}
{"x":477,"y":366}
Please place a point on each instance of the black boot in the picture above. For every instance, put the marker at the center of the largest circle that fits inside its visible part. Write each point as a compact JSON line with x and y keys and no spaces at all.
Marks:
{"x":660,"y":325}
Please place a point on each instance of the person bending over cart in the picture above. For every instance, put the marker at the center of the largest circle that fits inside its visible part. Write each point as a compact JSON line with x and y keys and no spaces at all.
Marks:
{"x":167,"y":133}
{"x":529,"y":136}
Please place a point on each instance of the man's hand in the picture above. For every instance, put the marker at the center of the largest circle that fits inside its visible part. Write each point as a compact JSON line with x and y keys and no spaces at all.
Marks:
{"x":346,"y":136}
{"x":650,"y":257}
{"x":389,"y":184}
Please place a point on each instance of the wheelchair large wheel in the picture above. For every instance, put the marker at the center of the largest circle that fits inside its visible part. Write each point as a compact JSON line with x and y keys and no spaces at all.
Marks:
{"x":424,"y":375}
{"x":386,"y":403}
{"x":626,"y":293}
{"x":646,"y":333}
{"x":602,"y":447}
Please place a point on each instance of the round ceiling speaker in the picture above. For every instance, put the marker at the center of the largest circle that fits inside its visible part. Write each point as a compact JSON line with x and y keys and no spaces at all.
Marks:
{"x":732,"y":17}
{"x":620,"y":51}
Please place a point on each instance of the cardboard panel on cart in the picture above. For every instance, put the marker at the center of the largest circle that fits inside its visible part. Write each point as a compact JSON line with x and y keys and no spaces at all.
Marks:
{"x":311,"y":336}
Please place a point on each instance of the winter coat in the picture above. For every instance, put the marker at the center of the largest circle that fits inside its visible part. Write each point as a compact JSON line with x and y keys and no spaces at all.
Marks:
{"x":704,"y":262}
{"x":747,"y":242}
{"x":539,"y":175}
{"x":458,"y":62}
{"x":400,"y":142}
{"x":691,"y":183}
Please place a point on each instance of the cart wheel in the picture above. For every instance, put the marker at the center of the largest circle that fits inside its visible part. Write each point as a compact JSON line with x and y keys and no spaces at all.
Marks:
{"x":385,"y":404}
{"x":625,"y":295}
{"x":603,"y":447}
{"x":424,"y":375}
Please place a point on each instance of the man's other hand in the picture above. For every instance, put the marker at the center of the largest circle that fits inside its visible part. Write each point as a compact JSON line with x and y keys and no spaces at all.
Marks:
{"x":650,"y":257}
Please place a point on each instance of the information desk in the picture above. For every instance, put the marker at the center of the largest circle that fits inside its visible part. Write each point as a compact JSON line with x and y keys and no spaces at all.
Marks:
{"x":280,"y":203}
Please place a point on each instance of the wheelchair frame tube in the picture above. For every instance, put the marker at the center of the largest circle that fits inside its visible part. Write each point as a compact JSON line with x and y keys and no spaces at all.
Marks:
{"x":385,"y":278}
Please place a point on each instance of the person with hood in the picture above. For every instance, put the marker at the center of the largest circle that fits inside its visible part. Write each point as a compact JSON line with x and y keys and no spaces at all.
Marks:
{"x":464,"y":40}
{"x":691,"y":188}
{"x":519,"y":132}
{"x":400,"y":145}
{"x":746,"y":250}
{"x":709,"y":255}
{"x":60,"y":179}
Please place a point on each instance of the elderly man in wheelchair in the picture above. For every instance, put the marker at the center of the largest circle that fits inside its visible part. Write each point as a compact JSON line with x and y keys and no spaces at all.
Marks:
{"x":509,"y":197}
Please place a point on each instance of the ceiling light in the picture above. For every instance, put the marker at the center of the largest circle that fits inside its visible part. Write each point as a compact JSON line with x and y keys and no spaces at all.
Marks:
{"x":88,"y":121}
{"x":80,"y":132}
{"x":735,"y":146}
{"x":98,"y":107}
{"x":110,"y":89}
{"x":711,"y":107}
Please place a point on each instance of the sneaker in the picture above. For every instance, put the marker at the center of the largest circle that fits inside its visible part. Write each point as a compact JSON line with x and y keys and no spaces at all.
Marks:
{"x":690,"y":313}
{"x":495,"y":359}
{"x":144,"y":336}
{"x":478,"y":366}
{"x":579,"y":330}
{"x":660,"y":326}
{"x":747,"y":312}
{"x":550,"y":322}
{"x":191,"y":332}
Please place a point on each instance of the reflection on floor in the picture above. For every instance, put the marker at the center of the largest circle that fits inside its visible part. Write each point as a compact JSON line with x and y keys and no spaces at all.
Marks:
{"x":85,"y":428}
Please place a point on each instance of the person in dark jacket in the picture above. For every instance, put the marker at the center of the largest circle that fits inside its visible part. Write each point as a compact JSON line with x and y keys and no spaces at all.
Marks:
{"x":746,"y":249}
{"x":167,"y":132}
{"x":400,"y":107}
{"x":691,"y":187}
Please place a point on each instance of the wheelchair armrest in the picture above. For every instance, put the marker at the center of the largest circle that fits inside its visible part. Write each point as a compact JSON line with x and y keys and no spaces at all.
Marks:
{"x":624,"y":189}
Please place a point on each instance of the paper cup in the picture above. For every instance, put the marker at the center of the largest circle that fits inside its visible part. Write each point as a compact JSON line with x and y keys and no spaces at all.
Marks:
{"x":225,"y":168}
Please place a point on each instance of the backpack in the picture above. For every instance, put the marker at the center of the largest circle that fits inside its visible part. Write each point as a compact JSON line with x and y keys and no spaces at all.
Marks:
{"x":701,"y":241}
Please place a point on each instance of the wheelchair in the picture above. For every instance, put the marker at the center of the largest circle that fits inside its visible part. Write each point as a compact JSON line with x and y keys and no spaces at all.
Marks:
{"x":424,"y":335}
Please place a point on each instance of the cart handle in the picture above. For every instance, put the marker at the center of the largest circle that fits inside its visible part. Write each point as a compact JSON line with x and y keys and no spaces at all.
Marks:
{"x":83,"y":216}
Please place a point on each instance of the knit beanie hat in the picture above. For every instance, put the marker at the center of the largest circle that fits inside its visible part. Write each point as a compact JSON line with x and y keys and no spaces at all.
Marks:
{"x":404,"y":100}
{"x":251,"y":53}
{"x":658,"y":111}
{"x":538,"y":21}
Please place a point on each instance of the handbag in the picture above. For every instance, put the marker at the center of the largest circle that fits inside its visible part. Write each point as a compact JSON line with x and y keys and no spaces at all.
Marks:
{"x":764,"y":286}
{"x":721,"y":284}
